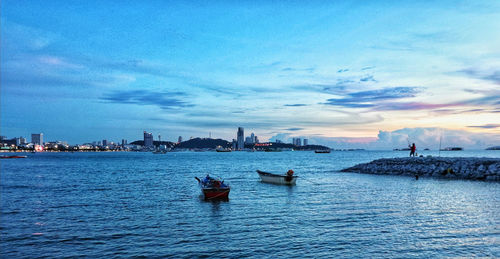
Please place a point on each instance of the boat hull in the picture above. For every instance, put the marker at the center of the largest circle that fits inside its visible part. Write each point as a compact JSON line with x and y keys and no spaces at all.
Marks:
{"x":7,"y":157}
{"x":216,"y":193}
{"x":276,"y":178}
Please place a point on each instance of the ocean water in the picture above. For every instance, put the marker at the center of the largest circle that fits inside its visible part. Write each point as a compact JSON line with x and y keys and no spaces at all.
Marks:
{"x":141,"y":204}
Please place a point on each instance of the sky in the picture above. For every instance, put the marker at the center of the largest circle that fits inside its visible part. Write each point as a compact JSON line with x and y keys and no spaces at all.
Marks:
{"x":371,"y":74}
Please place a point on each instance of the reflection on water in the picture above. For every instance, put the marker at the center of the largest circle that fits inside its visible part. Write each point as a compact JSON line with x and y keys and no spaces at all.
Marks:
{"x":133,"y":204}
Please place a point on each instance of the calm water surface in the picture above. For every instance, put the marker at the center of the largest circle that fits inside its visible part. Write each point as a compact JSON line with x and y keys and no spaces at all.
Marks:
{"x":141,"y":204}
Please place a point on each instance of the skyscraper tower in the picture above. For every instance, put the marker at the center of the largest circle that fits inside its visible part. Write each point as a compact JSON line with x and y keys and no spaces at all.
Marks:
{"x":148,"y":139}
{"x":37,"y":139}
{"x":240,"y":139}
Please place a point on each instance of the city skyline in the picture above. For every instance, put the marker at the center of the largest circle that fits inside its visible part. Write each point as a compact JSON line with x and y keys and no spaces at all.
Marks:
{"x":341,"y":74}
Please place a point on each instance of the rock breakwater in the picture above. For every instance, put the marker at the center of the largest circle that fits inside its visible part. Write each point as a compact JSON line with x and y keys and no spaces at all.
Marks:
{"x":473,"y":168}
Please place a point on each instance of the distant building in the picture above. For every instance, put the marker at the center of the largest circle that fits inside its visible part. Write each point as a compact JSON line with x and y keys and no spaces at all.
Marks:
{"x":306,"y":142}
{"x":37,"y":138}
{"x":179,"y":140}
{"x":256,"y":140}
{"x":240,"y":138}
{"x":297,"y":141}
{"x":234,"y":144}
{"x":105,"y":142}
{"x":124,"y":142}
{"x":148,"y":139}
{"x":22,"y":141}
{"x":248,"y":140}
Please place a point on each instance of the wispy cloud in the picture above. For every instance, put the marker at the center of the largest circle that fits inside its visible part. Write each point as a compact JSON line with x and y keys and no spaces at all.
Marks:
{"x":294,"y":129}
{"x":291,"y":69}
{"x":491,"y":75}
{"x":342,"y":70}
{"x":295,"y":105}
{"x":368,"y":78}
{"x":374,"y":98}
{"x":486,"y":126}
{"x":163,"y":100}
{"x":20,"y":37}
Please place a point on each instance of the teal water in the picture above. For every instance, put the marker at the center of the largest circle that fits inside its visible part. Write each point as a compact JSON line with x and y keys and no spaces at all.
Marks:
{"x":140,"y":204}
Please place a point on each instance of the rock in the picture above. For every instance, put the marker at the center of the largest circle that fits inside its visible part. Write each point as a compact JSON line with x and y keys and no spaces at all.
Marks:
{"x":455,"y":168}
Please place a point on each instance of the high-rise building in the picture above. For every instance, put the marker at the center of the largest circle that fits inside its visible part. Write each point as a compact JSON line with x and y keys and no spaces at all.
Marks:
{"x":256,"y":139}
{"x":240,"y":138}
{"x":234,"y":144}
{"x":148,"y":139}
{"x":22,"y":140}
{"x":105,"y":142}
{"x":248,"y":140}
{"x":296,"y":141}
{"x":179,"y":140}
{"x":37,"y":138}
{"x":305,"y":142}
{"x":124,"y":142}
{"x":252,"y":137}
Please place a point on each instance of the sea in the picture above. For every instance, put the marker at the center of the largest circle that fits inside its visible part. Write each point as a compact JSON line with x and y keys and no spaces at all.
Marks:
{"x":138,"y":204}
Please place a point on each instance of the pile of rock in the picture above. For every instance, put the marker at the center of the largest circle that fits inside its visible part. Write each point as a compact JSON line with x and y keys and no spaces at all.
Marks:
{"x":447,"y":167}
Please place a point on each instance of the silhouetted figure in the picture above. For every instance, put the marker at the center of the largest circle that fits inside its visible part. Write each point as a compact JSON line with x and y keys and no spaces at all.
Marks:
{"x":413,"y":148}
{"x":416,"y":177}
{"x":289,"y":175}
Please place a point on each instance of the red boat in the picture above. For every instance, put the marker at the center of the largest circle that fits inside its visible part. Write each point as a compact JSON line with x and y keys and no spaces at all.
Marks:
{"x":13,"y":156}
{"x":213,"y":188}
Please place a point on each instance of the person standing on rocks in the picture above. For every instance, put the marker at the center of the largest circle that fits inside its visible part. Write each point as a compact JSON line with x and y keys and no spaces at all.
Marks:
{"x":413,"y":148}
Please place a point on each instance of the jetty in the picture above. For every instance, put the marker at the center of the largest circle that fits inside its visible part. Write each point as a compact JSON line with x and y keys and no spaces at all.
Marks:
{"x":473,"y":168}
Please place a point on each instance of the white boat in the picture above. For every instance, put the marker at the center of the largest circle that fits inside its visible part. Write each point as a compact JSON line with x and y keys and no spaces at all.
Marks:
{"x":277,"y":178}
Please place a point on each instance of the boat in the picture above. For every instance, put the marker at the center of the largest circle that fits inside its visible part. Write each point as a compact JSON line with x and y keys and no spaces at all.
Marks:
{"x":221,"y":149}
{"x":452,"y":149}
{"x":322,"y":151}
{"x":13,"y":156}
{"x":159,"y":152}
{"x":288,"y":179}
{"x":213,"y":188}
{"x":272,"y":150}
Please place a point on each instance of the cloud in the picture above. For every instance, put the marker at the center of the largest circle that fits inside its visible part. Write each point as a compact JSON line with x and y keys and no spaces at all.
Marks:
{"x":294,"y":129}
{"x":291,"y":69}
{"x":367,"y":68}
{"x":164,"y":100}
{"x":388,"y":140}
{"x":487,"y":75}
{"x":431,"y":137}
{"x":486,"y":126}
{"x":295,"y":105}
{"x":343,"y":70}
{"x":412,"y":106}
{"x":373,"y":98}
{"x":368,"y":78}
{"x":16,"y":36}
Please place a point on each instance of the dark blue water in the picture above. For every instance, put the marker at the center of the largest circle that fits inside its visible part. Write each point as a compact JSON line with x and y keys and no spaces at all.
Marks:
{"x":141,"y":204}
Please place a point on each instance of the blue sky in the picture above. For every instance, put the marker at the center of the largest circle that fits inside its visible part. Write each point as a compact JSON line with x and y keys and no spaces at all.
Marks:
{"x":336,"y":72}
